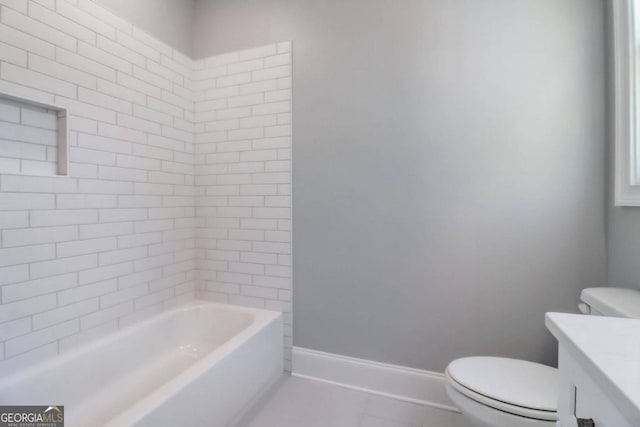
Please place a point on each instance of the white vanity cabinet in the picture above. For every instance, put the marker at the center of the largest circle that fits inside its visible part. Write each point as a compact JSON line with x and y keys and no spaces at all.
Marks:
{"x":580,"y":397}
{"x":599,"y":369}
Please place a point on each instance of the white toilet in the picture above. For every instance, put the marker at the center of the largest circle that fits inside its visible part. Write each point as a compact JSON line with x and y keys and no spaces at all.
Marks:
{"x":501,"y":392}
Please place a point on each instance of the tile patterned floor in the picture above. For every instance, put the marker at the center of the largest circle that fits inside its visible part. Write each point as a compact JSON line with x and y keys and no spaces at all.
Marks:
{"x":303,"y":403}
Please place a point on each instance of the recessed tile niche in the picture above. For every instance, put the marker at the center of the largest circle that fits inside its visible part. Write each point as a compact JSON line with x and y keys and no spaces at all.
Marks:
{"x":33,"y":137}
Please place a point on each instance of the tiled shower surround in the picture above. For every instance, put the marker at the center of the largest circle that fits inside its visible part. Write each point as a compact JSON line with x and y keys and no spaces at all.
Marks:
{"x":243,"y":179}
{"x":179,"y":184}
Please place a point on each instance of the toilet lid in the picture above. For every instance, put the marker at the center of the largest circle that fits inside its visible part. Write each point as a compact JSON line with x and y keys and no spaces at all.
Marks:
{"x":514,"y":382}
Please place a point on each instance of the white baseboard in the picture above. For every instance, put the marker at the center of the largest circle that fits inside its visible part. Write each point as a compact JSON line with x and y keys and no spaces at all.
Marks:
{"x":398,"y":382}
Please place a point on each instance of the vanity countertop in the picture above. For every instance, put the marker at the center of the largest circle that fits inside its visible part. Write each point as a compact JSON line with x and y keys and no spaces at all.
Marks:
{"x":608,"y":349}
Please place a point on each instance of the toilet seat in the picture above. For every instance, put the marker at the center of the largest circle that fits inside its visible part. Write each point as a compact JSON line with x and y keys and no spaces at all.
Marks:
{"x":517,"y":387}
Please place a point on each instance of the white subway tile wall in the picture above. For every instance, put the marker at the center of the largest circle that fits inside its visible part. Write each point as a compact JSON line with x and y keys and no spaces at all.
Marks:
{"x":243,"y":179}
{"x":180,"y":178}
{"x":28,"y":138}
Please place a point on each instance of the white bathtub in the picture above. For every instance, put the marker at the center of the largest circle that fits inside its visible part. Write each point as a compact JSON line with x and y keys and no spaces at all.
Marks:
{"x":196,"y":365}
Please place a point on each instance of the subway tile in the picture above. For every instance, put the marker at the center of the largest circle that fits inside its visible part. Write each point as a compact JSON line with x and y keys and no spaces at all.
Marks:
{"x":138,"y":85}
{"x":130,"y":280}
{"x":121,"y":255}
{"x":39,"y":338}
{"x":80,"y":124}
{"x":61,"y":23}
{"x":122,"y":215}
{"x":62,"y":265}
{"x":272,"y":247}
{"x":38,"y":287}
{"x":9,"y":112}
{"x":34,"y":167}
{"x":39,"y":118}
{"x":137,"y":162}
{"x":9,"y":165}
{"x":13,"y":55}
{"x":152,"y":262}
{"x":150,"y":115}
{"x":105,"y":101}
{"x":118,"y":50}
{"x":104,"y":15}
{"x":105,"y":187}
{"x":26,"y":254}
{"x":37,"y":29}
{"x":121,"y":133}
{"x":166,"y":73}
{"x":233,"y":80}
{"x":63,"y":217}
{"x":105,"y":230}
{"x":259,"y":291}
{"x":27,"y":307}
{"x":270,"y":73}
{"x":94,"y":319}
{"x":154,"y":298}
{"x":65,"y":313}
{"x":278,"y":60}
{"x":18,"y":90}
{"x":38,"y":236}
{"x":62,"y":72}
{"x":15,"y":328}
{"x":122,"y":296}
{"x":27,"y":42}
{"x":104,"y":273}
{"x":81,"y":293}
{"x":139,"y":122}
{"x":244,"y":66}
{"x":117,"y":173}
{"x":78,"y":15}
{"x":18,"y":5}
{"x":36,"y":80}
{"x":9,"y":219}
{"x":87,"y":201}
{"x":83,"y":155}
{"x":83,"y":247}
{"x":27,"y":133}
{"x":258,"y":52}
{"x":86,"y":110}
{"x":151,"y":41}
{"x":278,"y":95}
{"x":14,"y":274}
{"x":138,"y":201}
{"x":152,"y":78}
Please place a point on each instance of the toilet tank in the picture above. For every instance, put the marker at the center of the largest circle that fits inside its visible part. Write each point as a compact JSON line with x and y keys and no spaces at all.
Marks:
{"x":613,"y":302}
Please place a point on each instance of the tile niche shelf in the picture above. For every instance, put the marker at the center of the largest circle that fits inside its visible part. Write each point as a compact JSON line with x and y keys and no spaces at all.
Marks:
{"x":60,"y":142}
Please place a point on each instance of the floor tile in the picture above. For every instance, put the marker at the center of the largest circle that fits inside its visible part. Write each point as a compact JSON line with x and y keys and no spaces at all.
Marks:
{"x":395,"y":410}
{"x":440,"y":418}
{"x":336,"y":407}
{"x":298,"y":402}
{"x":370,"y":421}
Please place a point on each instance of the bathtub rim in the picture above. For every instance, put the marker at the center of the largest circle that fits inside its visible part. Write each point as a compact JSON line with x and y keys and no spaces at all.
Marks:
{"x":261,"y":319}
{"x":141,"y":408}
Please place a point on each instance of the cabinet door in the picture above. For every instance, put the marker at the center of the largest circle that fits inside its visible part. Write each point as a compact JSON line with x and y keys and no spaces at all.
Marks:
{"x":580,"y":397}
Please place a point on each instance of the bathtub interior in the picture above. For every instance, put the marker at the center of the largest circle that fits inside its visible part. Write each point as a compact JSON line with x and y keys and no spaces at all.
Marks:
{"x":107,"y":376}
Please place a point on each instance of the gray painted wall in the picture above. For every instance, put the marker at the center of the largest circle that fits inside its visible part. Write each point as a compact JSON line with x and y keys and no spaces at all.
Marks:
{"x":169,"y":20}
{"x":624,"y":247}
{"x":448,"y":168}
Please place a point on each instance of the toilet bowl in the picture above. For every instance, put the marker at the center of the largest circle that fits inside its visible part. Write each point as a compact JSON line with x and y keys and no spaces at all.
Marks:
{"x":502,"y":392}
